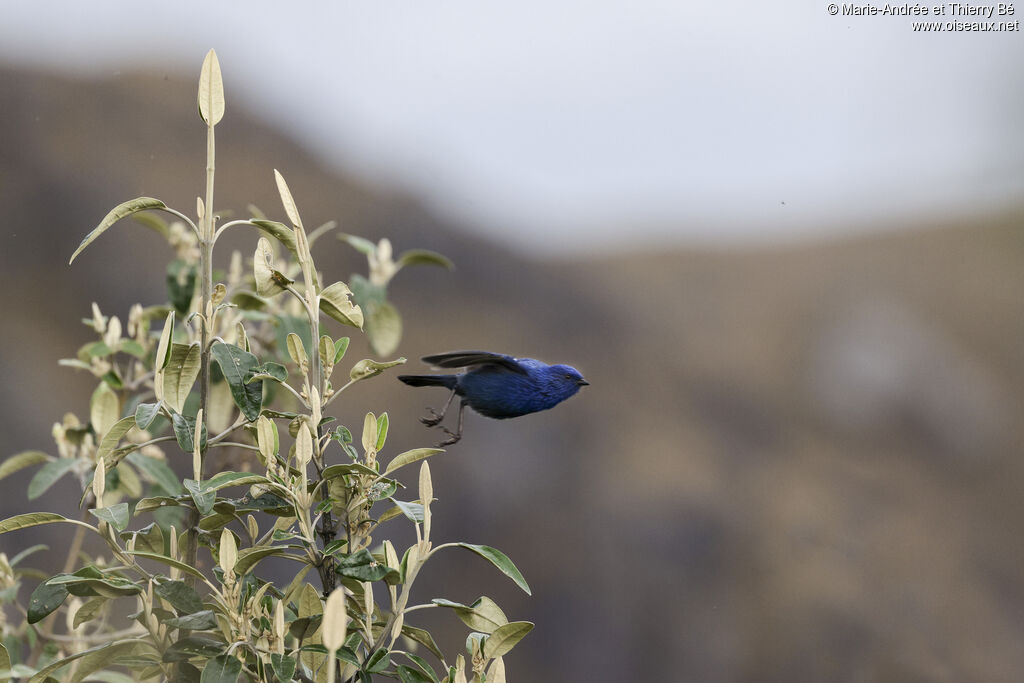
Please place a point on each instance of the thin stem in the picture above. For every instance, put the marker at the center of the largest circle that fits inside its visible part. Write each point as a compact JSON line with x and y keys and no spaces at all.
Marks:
{"x":296,"y":394}
{"x":206,"y":236}
{"x":206,"y":267}
{"x":337,"y":392}
{"x":232,"y":443}
{"x":216,"y":439}
{"x":229,"y":224}
{"x":76,"y":544}
{"x":183,"y":217}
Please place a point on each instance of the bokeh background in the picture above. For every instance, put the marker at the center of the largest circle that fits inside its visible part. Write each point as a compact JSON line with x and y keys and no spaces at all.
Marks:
{"x":786,"y":248}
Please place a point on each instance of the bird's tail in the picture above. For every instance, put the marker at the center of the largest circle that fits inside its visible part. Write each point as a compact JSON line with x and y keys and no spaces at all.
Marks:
{"x":447,"y":381}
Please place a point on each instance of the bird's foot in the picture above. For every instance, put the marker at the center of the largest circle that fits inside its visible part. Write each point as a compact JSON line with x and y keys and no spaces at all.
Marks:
{"x":452,"y":438}
{"x":433,"y":419}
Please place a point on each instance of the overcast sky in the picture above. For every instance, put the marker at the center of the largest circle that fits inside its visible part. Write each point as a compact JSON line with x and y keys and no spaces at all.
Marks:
{"x":587,"y":122}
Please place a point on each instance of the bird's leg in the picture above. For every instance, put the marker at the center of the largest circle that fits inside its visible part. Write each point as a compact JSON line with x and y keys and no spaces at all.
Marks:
{"x":453,"y":437}
{"x":436,"y":418}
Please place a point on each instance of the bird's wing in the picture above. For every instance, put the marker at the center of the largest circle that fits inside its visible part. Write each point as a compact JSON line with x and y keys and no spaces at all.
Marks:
{"x":465,"y":359}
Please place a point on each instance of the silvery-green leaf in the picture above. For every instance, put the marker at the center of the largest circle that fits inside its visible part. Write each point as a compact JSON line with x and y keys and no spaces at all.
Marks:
{"x":422,"y":256}
{"x":358,"y":243}
{"x":114,"y":435}
{"x":116,"y":214}
{"x":115,"y":515}
{"x":211,"y":91}
{"x":145,"y":413}
{"x":180,"y":374}
{"x":335,"y":301}
{"x":505,"y":637}
{"x":367,"y":368}
{"x":238,"y":367}
{"x":104,"y":409}
{"x":403,"y":459}
{"x":48,"y":474}
{"x":22,"y":460}
{"x":499,"y":560}
{"x":383,"y":328}
{"x":268,"y":281}
{"x":290,"y":209}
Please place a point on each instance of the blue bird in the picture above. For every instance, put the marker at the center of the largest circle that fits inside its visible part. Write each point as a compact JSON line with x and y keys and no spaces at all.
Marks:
{"x":496,"y":385}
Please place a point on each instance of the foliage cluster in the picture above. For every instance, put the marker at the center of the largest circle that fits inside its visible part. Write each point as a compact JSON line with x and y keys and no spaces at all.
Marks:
{"x":237,"y":365}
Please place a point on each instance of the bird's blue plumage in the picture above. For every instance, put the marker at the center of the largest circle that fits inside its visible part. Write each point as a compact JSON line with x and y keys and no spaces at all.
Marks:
{"x":499,"y":386}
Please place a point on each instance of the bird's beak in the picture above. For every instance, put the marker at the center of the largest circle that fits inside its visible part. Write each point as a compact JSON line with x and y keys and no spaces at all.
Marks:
{"x":582,"y":382}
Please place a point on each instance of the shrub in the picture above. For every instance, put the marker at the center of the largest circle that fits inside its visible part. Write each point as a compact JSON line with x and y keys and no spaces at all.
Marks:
{"x":227,"y":368}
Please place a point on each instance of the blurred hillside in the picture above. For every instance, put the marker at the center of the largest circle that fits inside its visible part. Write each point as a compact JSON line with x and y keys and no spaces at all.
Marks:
{"x":793,"y":464}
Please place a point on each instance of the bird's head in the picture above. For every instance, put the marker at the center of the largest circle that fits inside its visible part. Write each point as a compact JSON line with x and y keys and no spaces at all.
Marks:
{"x":567,"y":378}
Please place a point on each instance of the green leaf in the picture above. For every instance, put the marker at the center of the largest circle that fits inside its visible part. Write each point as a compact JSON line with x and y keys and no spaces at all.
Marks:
{"x":180,"y":596}
{"x":116,"y":214}
{"x":104,"y":409}
{"x":91,"y":581}
{"x":48,"y":475}
{"x":383,"y":328}
{"x":26,"y":552}
{"x":377,"y":662}
{"x":403,"y":459}
{"x":382,"y":430}
{"x":5,"y":659}
{"x":347,"y":468}
{"x":414,"y":511}
{"x":145,"y":413}
{"x":202,"y":620}
{"x":89,"y":610}
{"x":363,"y":566}
{"x":281,"y":232}
{"x":203,"y":498}
{"x":184,"y":431}
{"x":114,"y":435}
{"x":156,"y":557}
{"x":424,"y":638}
{"x":505,"y":638}
{"x":44,"y":600}
{"x":287,"y":200}
{"x":20,"y":461}
{"x":423,"y":666}
{"x":91,"y":660}
{"x":180,"y":374}
{"x":367,"y":368}
{"x":194,"y":646}
{"x":149,"y":538}
{"x":224,"y":479}
{"x":134,"y":348}
{"x":115,"y":515}
{"x":30,"y":519}
{"x":275,"y":370}
{"x":211,"y":93}
{"x":335,"y":302}
{"x":499,"y":560}
{"x":284,"y":666}
{"x":248,"y":557}
{"x":155,"y":502}
{"x":414,"y":257}
{"x":181,"y":285}
{"x":163,"y":349}
{"x":360,"y":244}
{"x":153,"y":222}
{"x":340,"y":347}
{"x":238,"y":367}
{"x":410,"y":675}
{"x":483,"y":615}
{"x":158,"y":472}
